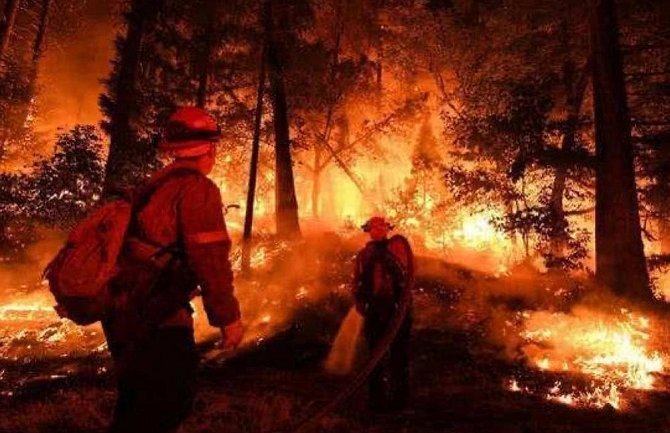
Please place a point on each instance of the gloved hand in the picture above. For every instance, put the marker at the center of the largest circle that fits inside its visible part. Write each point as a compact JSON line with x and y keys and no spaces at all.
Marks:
{"x":232,"y":334}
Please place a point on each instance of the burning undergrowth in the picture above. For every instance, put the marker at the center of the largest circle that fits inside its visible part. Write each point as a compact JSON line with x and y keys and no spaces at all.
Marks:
{"x":612,"y":352}
{"x":288,"y":278}
{"x":36,"y":346}
{"x":556,"y":338}
{"x":570,"y":342}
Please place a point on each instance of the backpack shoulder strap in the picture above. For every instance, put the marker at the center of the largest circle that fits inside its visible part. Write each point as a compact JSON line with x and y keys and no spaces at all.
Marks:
{"x":142,"y":195}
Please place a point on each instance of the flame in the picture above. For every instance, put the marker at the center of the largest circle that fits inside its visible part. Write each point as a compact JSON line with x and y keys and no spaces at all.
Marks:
{"x":614,"y":351}
{"x":514,"y":386}
{"x":22,"y":312}
{"x":477,"y":232}
{"x":469,"y":238}
{"x":662,"y":286}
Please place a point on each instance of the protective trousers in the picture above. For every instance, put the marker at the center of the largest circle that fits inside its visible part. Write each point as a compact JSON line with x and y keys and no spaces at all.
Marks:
{"x":389,"y":382}
{"x":156,"y":383}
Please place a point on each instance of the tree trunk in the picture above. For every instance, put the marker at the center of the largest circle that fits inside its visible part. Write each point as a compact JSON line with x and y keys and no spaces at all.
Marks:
{"x":316,"y":182}
{"x":620,"y":261}
{"x":345,"y":168}
{"x":7,"y":25}
{"x":664,"y":235}
{"x":253,"y":171}
{"x":203,"y":79}
{"x":661,"y":203}
{"x":663,"y":207}
{"x":122,"y":133}
{"x":575,"y":88}
{"x":205,"y":51}
{"x":329,"y":207}
{"x":38,"y":50}
{"x":286,"y":204}
{"x":38,"y":47}
{"x":559,"y":235}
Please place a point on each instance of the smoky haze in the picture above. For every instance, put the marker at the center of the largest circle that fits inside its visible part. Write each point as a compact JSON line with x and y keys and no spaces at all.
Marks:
{"x":76,"y":60}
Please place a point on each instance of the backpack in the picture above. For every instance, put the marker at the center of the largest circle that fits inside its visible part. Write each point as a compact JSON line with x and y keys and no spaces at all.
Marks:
{"x":80,"y":273}
{"x":385,"y":276}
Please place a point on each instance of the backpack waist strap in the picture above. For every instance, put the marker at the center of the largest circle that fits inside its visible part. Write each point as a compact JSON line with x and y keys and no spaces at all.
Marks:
{"x":145,"y":251}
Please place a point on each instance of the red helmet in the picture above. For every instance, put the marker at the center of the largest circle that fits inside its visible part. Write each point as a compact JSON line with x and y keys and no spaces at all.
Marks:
{"x":190,"y":131}
{"x":377,"y":221}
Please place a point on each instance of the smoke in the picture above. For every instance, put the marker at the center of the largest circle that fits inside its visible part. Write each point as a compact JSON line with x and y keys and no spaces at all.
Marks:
{"x":71,"y":72}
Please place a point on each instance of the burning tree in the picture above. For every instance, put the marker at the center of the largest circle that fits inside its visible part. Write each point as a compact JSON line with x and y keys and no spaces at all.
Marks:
{"x":168,"y":57}
{"x":16,"y":94}
{"x":518,"y":126}
{"x":18,"y":78}
{"x":423,"y":206}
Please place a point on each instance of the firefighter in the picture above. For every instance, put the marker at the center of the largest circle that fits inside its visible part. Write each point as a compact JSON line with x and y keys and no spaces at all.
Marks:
{"x":383,"y":278}
{"x":177,"y":241}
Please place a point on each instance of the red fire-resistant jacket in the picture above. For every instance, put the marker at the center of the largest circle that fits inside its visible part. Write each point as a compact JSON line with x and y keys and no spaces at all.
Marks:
{"x":186,"y":209}
{"x":401,"y":254}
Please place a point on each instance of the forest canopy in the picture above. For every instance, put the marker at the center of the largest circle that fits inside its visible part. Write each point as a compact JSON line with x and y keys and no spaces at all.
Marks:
{"x":438,"y":113}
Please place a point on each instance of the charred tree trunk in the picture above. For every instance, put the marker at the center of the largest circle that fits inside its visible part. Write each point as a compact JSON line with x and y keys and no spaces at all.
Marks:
{"x":122,"y":133}
{"x":253,"y":171}
{"x":620,"y":261}
{"x":7,"y":25}
{"x":286,"y":204}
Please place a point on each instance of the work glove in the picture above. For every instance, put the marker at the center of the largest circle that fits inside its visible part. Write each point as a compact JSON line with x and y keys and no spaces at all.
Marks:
{"x":232,"y":334}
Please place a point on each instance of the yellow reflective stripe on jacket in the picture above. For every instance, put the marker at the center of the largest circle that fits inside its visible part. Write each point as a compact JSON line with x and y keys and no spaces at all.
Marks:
{"x":207,"y":237}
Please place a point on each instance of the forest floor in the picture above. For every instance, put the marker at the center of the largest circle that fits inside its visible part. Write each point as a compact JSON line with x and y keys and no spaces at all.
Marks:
{"x":458,"y":374}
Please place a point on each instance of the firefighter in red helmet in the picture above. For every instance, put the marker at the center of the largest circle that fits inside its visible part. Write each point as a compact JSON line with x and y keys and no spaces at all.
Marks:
{"x":177,"y":241}
{"x":383,"y":279}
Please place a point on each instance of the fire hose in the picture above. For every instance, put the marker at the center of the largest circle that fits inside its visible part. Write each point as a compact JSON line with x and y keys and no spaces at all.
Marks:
{"x":310,"y":422}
